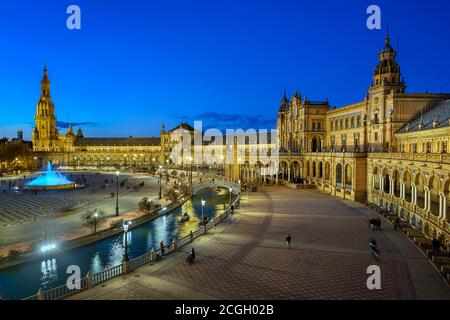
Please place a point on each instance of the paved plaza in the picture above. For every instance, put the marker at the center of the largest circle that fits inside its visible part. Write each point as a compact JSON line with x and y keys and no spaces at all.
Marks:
{"x":24,"y":216}
{"x":246,"y":258}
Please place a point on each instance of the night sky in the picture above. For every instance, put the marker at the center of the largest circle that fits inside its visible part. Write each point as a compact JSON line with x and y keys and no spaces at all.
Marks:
{"x":136,"y":64}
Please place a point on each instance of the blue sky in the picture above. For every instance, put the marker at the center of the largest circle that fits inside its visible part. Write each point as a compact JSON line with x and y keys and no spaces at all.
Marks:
{"x":138,"y":63}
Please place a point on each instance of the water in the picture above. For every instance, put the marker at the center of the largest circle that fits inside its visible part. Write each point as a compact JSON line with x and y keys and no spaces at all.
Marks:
{"x":24,"y":280}
{"x":49,"y":178}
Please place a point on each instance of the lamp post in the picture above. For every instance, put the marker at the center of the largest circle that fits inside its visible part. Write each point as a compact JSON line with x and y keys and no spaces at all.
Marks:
{"x":117,"y":193}
{"x":203,"y":205}
{"x":160,"y":182}
{"x":230,"y":189}
{"x":95,"y":222}
{"x":125,"y":231}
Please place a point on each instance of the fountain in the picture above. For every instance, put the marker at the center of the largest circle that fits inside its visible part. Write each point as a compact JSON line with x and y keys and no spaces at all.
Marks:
{"x":51,"y":180}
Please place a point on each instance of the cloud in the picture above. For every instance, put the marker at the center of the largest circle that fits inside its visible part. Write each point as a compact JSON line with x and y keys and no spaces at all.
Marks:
{"x":65,"y":125}
{"x":230,"y":121}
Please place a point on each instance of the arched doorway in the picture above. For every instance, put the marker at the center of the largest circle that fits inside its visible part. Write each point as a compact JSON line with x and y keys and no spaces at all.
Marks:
{"x":419,"y":181}
{"x":386,"y":184}
{"x":396,"y":178}
{"x":313,"y":169}
{"x":327,"y":171}
{"x":316,"y":144}
{"x":339,"y":175}
{"x":320,"y":170}
{"x":434,"y":187}
{"x":348,"y":177}
{"x":407,"y":178}
{"x":376,"y":178}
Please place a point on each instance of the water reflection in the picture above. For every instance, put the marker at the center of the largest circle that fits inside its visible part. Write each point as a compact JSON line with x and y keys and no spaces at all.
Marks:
{"x":109,"y":252}
{"x":49,"y":272}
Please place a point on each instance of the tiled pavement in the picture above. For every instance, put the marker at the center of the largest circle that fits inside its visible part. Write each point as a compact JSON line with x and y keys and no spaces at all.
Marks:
{"x":246,"y":258}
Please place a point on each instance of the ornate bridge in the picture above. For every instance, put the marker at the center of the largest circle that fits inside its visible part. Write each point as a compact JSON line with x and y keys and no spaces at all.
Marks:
{"x":217,"y":183}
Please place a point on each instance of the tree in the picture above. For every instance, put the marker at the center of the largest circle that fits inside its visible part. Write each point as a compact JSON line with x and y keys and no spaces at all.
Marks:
{"x":10,"y":150}
{"x":147,"y":206}
{"x":152,"y":169}
{"x":184,"y":188}
{"x":171,"y":195}
{"x":92,"y":218}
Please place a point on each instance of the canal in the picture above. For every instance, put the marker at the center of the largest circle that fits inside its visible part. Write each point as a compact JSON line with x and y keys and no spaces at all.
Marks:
{"x":24,"y":280}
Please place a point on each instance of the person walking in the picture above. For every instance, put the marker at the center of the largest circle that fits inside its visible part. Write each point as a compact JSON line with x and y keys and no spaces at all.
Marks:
{"x":193,"y":255}
{"x":379,"y":224}
{"x":396,"y":224}
{"x":161,"y":247}
{"x":288,"y":241}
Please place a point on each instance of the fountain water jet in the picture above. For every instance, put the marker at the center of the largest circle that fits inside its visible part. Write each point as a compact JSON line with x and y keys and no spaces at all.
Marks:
{"x":50,"y":180}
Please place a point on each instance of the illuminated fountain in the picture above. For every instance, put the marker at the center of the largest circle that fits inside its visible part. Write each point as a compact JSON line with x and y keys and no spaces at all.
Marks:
{"x":51,"y":180}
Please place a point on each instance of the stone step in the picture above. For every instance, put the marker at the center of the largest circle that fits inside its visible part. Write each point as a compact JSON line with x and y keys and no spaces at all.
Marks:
{"x":445,"y":269}
{"x":430,"y":254}
{"x":441,"y":260}
{"x":415,"y":234}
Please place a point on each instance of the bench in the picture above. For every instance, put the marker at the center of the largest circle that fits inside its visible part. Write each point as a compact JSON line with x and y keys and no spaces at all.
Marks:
{"x":117,"y":223}
{"x":422,"y":242}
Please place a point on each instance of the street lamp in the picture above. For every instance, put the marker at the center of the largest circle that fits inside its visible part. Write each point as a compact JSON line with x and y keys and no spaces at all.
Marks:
{"x":126,"y":225}
{"x":95,"y":222}
{"x":117,"y":193}
{"x":230,"y":189}
{"x":203,"y":205}
{"x":160,"y":170}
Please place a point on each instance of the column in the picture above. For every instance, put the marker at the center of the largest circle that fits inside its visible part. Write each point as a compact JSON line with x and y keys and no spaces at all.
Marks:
{"x":413,"y":194}
{"x":427,"y":199}
{"x":444,"y":208}
{"x":289,"y":174}
{"x":381,"y":184}
{"x":402,"y":190}
{"x":391,"y":186}
{"x":373,"y":182}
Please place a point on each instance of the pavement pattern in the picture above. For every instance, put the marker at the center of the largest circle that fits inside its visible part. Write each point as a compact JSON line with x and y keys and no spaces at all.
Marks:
{"x":25,"y":216}
{"x":246,"y":257}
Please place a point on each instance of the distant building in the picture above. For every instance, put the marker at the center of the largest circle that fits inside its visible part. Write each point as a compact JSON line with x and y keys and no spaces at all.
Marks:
{"x":20,"y":135}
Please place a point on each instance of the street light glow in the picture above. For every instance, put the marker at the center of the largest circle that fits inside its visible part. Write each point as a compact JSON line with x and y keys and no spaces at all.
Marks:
{"x":48,"y":247}
{"x":117,"y":173}
{"x":203,"y":202}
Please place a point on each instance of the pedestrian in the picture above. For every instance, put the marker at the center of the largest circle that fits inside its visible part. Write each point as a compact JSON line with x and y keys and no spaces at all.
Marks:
{"x":395,"y":224}
{"x":379,"y":224}
{"x":161,"y":247}
{"x":372,"y":224}
{"x":288,"y":241}
{"x":193,"y":255}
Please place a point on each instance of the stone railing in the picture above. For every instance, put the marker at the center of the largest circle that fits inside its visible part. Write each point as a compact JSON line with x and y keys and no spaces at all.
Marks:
{"x":427,"y":215}
{"x":217,"y":183}
{"x":91,"y":280}
{"x":424,"y":157}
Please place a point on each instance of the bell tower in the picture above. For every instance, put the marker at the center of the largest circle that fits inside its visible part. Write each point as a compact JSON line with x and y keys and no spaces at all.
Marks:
{"x":45,"y":133}
{"x":387,"y":76}
{"x":387,"y":80}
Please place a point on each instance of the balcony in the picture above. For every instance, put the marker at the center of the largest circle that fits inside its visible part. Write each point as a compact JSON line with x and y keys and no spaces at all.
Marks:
{"x":423,"y":157}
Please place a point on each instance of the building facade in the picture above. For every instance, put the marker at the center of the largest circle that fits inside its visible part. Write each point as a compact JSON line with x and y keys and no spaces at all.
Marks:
{"x":389,"y":149}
